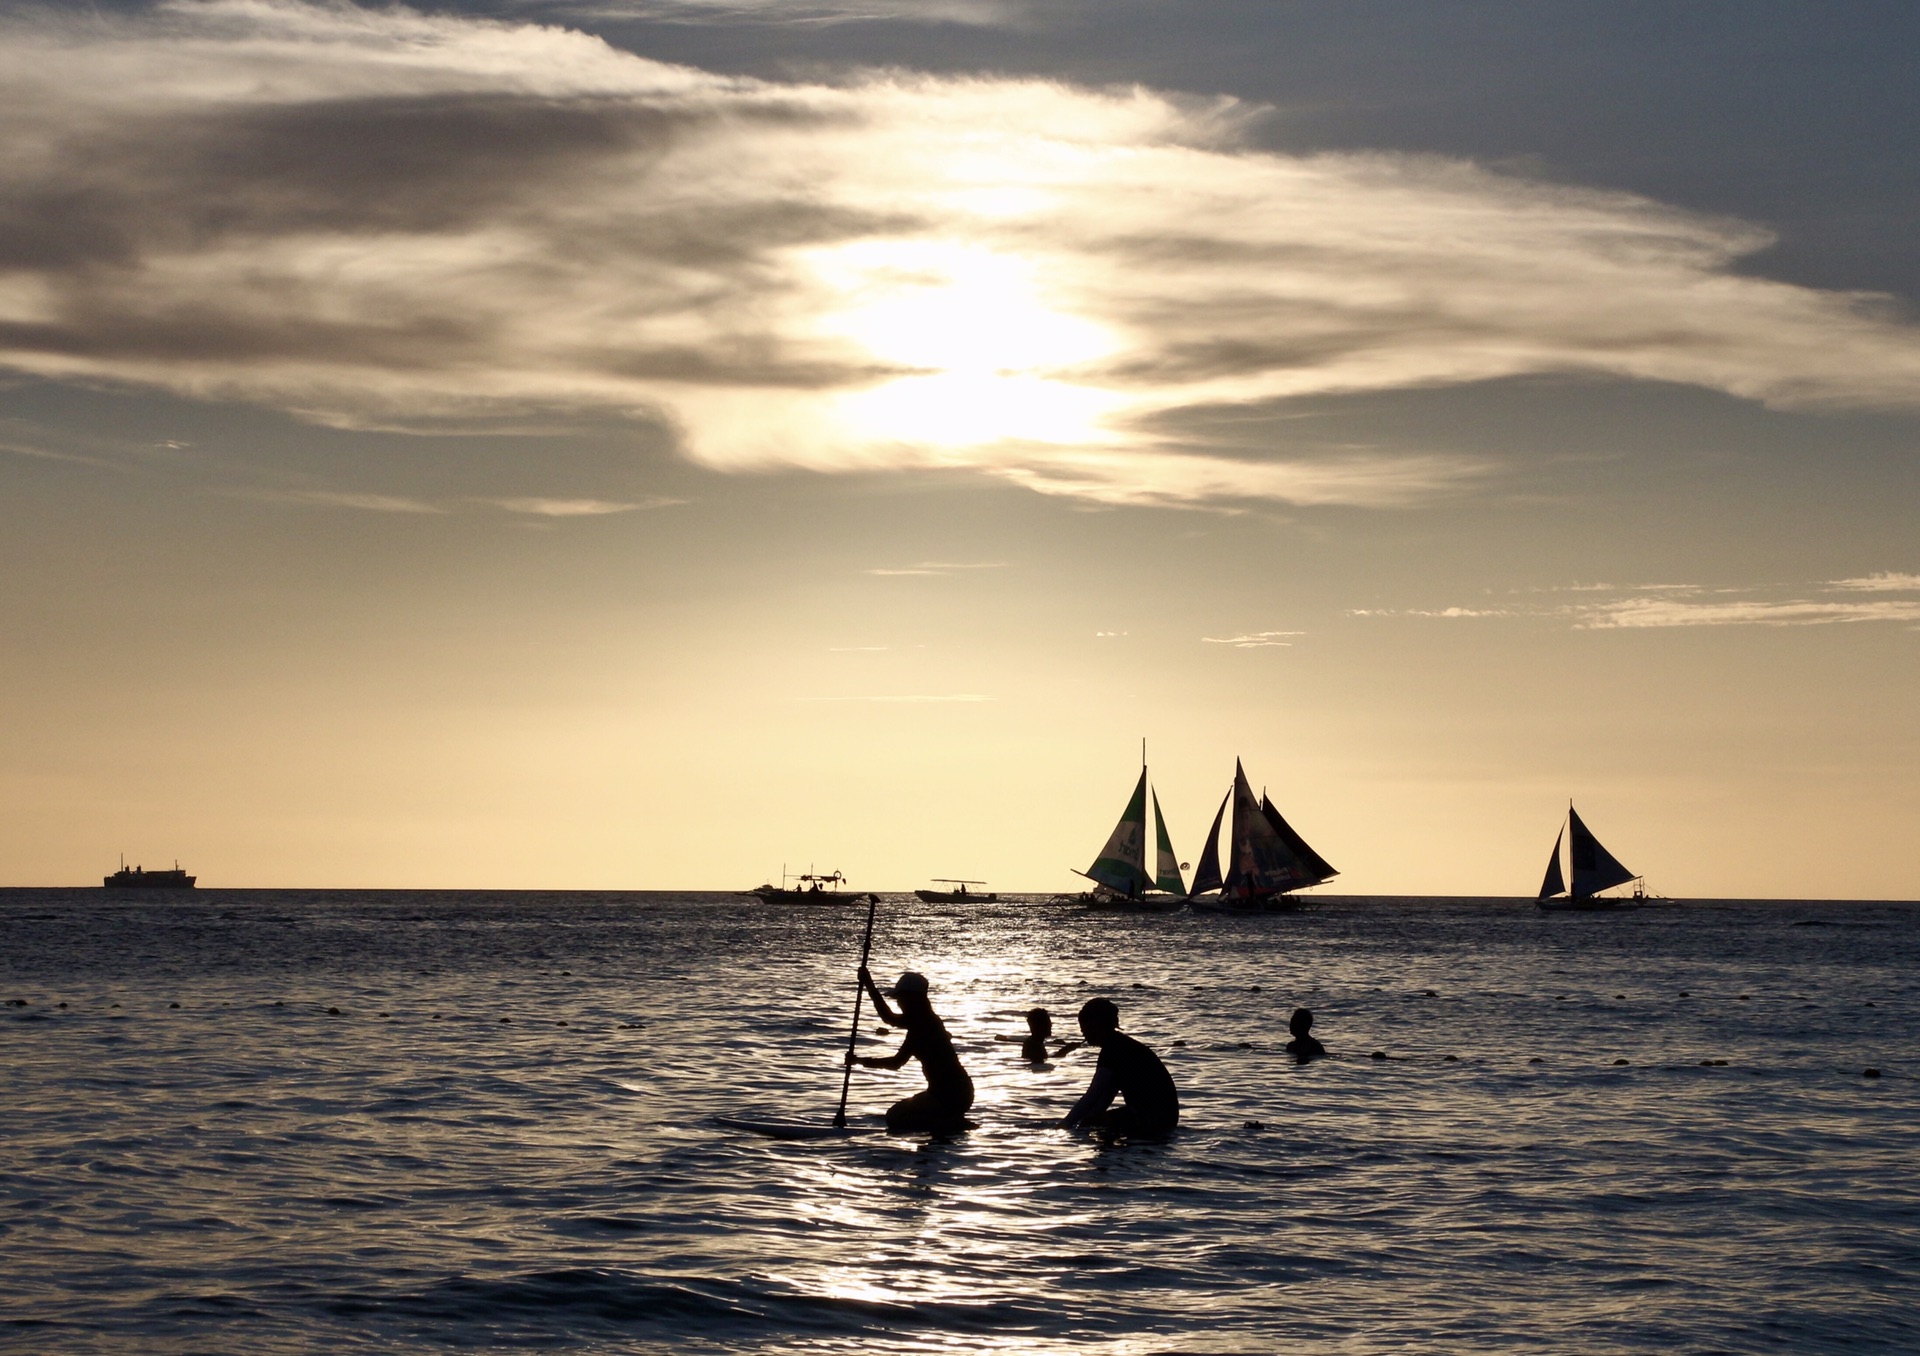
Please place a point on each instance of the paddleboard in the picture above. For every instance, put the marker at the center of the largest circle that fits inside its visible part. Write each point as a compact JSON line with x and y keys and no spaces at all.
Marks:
{"x":785,"y":1129}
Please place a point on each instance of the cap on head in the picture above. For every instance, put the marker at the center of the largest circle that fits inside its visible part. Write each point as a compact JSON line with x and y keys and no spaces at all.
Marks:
{"x":912,"y":984}
{"x":1099,"y":1014}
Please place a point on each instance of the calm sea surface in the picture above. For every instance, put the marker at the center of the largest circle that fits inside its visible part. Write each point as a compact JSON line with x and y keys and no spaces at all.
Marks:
{"x":501,"y":1138}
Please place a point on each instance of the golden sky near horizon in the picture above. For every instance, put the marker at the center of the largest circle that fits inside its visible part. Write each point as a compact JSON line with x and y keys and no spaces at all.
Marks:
{"x":452,"y":451}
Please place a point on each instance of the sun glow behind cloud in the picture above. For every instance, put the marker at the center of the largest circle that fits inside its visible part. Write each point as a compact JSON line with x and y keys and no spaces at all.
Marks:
{"x":382,"y":218}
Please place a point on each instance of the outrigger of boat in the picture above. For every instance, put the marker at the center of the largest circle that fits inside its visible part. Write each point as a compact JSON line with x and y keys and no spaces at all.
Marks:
{"x":1267,"y":860}
{"x":139,"y":878}
{"x":960,"y":894}
{"x":1591,"y":869}
{"x":808,"y":888}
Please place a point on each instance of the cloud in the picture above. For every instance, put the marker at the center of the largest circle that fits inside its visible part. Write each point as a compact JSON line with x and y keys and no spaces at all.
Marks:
{"x":47,"y":454}
{"x":1449,"y":613}
{"x":1884,"y":582}
{"x":578,"y":508}
{"x":1667,"y":612}
{"x":912,"y":699}
{"x":372,"y":503}
{"x":974,"y":13}
{"x":379,"y":218}
{"x":1658,"y":606}
{"x":935,"y":567}
{"x":1253,"y":640}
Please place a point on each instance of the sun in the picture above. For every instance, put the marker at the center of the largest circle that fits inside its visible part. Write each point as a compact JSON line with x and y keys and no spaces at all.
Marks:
{"x":983,"y":347}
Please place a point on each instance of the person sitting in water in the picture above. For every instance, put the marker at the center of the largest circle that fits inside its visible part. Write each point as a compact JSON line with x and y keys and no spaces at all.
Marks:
{"x":1302,"y":1047}
{"x":942,"y":1108}
{"x":1129,"y":1070}
{"x":1039,"y":1031}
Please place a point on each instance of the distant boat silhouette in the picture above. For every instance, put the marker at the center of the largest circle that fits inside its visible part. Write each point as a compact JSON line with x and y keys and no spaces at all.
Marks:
{"x":809,"y":888}
{"x":1590,"y":868}
{"x":958,"y":895}
{"x":139,"y":878}
{"x":1119,"y":873}
{"x":1266,"y":860}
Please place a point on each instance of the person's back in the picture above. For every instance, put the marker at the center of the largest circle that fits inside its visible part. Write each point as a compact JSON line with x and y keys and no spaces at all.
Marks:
{"x":1127,"y":1069}
{"x":1153,"y":1103}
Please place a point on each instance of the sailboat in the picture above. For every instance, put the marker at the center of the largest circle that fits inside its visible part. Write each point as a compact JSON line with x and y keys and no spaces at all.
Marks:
{"x":1266,"y":859}
{"x":1590,"y":867}
{"x":1119,"y":873}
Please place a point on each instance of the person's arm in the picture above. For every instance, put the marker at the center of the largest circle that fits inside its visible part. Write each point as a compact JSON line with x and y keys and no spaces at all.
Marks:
{"x":1097,"y":1098}
{"x":1067,"y":1047}
{"x":892,"y":1061}
{"x":885,"y":1013}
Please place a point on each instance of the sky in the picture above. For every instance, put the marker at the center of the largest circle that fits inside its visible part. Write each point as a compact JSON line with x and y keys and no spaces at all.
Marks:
{"x":654,"y":443}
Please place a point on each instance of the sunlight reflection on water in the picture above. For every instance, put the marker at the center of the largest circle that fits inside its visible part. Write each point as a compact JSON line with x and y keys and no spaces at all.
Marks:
{"x":502,"y":1138}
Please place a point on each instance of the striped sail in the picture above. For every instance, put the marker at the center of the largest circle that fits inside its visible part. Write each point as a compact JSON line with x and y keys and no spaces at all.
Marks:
{"x":1166,"y":864}
{"x":1263,"y":862}
{"x":1122,"y":863}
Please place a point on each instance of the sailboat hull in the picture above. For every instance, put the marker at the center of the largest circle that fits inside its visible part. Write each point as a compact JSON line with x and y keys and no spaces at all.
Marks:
{"x":1119,"y":903}
{"x":1591,"y":905}
{"x":1263,"y":904}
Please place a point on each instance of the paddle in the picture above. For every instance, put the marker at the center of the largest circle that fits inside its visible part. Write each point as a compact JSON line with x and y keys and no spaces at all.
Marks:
{"x":859,"y":992}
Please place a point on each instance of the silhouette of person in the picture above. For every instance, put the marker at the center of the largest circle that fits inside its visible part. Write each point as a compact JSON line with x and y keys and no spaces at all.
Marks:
{"x":1039,"y":1031}
{"x":942,"y":1108}
{"x":1126,"y":1069}
{"x":1304,"y":1048}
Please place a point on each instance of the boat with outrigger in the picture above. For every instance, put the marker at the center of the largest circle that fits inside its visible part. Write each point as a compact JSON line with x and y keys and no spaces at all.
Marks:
{"x":959,"y":894}
{"x":1119,"y":872}
{"x":1266,"y":860}
{"x":1590,"y":870}
{"x":809,"y":887}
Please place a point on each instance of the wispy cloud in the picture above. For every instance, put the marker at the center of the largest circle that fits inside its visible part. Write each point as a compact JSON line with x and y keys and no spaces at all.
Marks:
{"x":912,"y":699}
{"x":810,"y":13}
{"x":1884,"y":582}
{"x":935,"y":567}
{"x":337,"y":499}
{"x":1668,"y":611}
{"x":376,"y":217}
{"x":1654,"y":606}
{"x":48,"y":454}
{"x":1448,"y":613}
{"x":1254,"y":640}
{"x":578,"y":508}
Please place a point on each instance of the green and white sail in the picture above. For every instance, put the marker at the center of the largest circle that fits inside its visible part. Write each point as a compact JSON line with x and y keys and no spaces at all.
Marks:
{"x":1166,"y":864}
{"x":1122,"y":863}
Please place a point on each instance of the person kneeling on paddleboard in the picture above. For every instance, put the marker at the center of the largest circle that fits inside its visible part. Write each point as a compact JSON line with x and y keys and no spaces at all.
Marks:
{"x":1127,"y":1069}
{"x":942,"y":1108}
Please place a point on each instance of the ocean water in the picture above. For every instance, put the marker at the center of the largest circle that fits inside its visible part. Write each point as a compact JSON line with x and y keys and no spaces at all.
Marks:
{"x":291,"y":1121}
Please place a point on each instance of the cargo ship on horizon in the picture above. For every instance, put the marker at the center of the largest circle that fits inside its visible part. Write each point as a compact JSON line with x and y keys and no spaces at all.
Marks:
{"x":139,"y":878}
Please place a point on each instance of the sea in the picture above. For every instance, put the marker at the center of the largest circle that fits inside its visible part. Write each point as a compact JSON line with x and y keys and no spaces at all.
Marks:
{"x":292,"y":1121}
